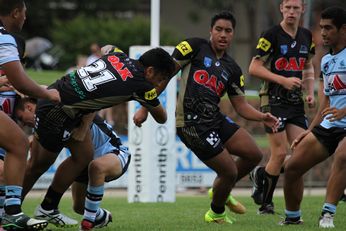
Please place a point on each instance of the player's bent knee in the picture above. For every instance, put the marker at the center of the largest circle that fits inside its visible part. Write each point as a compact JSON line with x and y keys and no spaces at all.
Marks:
{"x":95,"y":167}
{"x":20,"y":147}
{"x":229,"y":175}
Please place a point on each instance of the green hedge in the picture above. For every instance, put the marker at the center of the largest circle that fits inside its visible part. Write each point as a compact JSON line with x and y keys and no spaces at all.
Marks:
{"x":74,"y":37}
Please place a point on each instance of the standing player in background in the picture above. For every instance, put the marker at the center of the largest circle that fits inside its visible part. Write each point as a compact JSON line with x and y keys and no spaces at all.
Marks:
{"x":283,"y":61}
{"x":327,"y":132}
{"x":12,"y":138}
{"x":208,"y":72}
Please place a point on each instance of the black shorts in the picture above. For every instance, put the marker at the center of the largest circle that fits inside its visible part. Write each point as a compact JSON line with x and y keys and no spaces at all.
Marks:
{"x":287,"y":114}
{"x":329,"y":137}
{"x":207,"y":141}
{"x":53,"y":126}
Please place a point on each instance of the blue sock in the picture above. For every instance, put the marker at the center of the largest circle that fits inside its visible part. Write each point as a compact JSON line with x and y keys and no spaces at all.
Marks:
{"x":2,"y":199}
{"x":13,"y":199}
{"x":92,"y":202}
{"x":293,"y":214}
{"x":328,"y":208}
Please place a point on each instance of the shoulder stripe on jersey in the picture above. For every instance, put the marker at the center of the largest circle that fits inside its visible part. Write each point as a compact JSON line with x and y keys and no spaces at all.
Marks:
{"x":6,"y":39}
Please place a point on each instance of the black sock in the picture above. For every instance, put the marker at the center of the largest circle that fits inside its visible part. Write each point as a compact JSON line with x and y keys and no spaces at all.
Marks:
{"x":13,"y":209}
{"x":261,"y":173}
{"x":282,"y":170}
{"x":217,"y":209}
{"x":51,"y":200}
{"x":269,"y":187}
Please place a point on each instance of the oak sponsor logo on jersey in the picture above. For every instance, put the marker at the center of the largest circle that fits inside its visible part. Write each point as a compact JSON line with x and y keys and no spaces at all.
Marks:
{"x":118,"y":66}
{"x":282,"y":64}
{"x":263,"y":44}
{"x":184,"y":48}
{"x":202,"y":77}
{"x":150,"y":95}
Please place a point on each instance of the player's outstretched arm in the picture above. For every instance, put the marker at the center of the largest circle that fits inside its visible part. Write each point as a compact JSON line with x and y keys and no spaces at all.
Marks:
{"x":20,"y":81}
{"x":159,"y":114}
{"x":140,"y":116}
{"x":245,"y":110}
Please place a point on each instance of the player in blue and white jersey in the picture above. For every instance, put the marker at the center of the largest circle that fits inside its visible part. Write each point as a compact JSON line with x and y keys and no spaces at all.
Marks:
{"x":12,"y":138}
{"x":327,"y":132}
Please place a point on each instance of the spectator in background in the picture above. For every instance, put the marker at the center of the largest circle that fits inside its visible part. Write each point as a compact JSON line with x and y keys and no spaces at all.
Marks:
{"x":95,"y":50}
{"x":81,"y":61}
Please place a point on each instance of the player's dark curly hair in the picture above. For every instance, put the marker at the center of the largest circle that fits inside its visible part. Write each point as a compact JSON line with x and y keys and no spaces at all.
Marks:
{"x":20,"y":102}
{"x":159,"y":59}
{"x":6,"y":6}
{"x":223,"y":15}
{"x":336,"y":14}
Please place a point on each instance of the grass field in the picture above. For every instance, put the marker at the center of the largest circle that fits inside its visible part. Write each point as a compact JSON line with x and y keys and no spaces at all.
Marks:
{"x":188,"y":211}
{"x":45,"y":77}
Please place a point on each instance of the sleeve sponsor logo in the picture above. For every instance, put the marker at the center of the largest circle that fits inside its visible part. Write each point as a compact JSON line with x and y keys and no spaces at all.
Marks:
{"x":263,"y":44}
{"x":116,"y":49}
{"x":150,"y":95}
{"x":242,"y":81}
{"x":184,"y":48}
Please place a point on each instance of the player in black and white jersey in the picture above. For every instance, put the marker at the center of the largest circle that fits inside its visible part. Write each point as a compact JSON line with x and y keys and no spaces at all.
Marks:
{"x":113,"y":79}
{"x":283,"y":61}
{"x":12,"y":138}
{"x":208,"y":72}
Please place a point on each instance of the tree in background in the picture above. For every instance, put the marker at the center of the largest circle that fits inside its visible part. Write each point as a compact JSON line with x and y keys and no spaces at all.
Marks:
{"x":75,"y":36}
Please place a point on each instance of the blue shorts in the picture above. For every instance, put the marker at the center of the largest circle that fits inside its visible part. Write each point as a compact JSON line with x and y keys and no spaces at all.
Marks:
{"x":122,"y":154}
{"x":2,"y":154}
